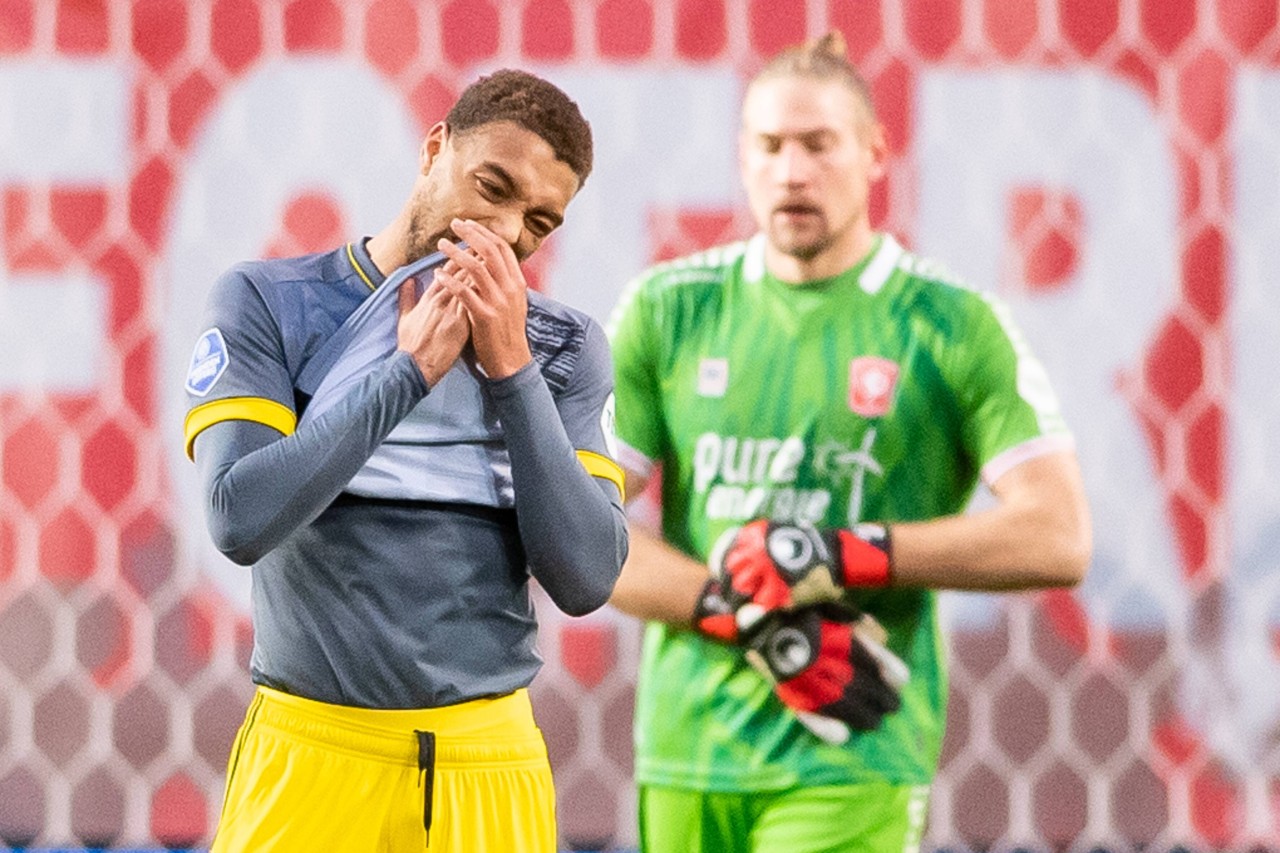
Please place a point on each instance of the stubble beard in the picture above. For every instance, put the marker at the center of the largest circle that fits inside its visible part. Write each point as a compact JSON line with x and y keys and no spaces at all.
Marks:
{"x":786,"y":242}
{"x":421,"y":240}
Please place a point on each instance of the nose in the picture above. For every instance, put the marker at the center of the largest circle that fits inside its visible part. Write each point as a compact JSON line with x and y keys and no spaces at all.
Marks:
{"x":506,"y":225}
{"x":793,"y":164}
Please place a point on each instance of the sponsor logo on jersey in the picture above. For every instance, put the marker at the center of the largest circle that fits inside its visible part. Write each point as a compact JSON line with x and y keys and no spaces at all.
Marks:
{"x":208,"y":363}
{"x":746,"y":477}
{"x":713,"y":377}
{"x":755,"y":478}
{"x":871,"y":383}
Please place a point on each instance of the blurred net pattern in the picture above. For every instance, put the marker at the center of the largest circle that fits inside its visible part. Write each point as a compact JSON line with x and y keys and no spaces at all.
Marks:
{"x":122,"y":664}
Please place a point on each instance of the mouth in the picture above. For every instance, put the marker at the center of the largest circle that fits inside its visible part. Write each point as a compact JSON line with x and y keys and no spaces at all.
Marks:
{"x":796,"y":212}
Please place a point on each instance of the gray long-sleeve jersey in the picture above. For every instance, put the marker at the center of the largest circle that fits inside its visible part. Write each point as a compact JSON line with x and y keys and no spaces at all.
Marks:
{"x":392,"y":597}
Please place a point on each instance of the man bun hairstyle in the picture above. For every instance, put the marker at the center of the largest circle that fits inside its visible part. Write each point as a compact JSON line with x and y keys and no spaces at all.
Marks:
{"x":533,"y":103}
{"x":821,"y":58}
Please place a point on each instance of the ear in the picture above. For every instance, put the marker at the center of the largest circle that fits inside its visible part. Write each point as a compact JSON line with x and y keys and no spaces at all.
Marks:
{"x":878,"y":149}
{"x":436,"y":139}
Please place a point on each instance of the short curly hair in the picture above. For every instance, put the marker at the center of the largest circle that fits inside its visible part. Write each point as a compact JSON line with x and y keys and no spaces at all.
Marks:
{"x":533,"y":103}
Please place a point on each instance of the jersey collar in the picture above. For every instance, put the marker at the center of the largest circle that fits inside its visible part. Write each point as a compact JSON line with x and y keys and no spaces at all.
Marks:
{"x":363,"y":265}
{"x":873,"y":276}
{"x":882,"y":264}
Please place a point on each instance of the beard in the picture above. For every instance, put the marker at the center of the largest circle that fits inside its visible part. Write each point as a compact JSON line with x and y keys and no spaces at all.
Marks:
{"x":802,"y":248}
{"x":422,"y":239}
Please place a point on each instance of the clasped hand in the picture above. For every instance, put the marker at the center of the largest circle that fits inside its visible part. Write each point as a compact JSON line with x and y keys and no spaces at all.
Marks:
{"x":777,"y":591}
{"x":478,"y":294}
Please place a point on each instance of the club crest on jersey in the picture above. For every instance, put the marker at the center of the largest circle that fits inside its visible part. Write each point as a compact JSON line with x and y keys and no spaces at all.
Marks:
{"x":713,"y":377}
{"x":208,"y":362}
{"x":871,"y":383}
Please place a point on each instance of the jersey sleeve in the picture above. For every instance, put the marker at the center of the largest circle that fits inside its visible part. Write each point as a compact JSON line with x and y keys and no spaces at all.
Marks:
{"x":1011,"y":412}
{"x":587,"y":411}
{"x":634,"y":337}
{"x":237,"y":369}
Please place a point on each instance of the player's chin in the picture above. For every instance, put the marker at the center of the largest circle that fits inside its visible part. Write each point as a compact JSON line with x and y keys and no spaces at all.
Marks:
{"x":803,"y":247}
{"x":423,"y":245}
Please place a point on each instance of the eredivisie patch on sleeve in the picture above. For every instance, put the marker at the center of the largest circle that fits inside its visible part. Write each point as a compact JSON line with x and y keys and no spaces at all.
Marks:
{"x":208,"y":362}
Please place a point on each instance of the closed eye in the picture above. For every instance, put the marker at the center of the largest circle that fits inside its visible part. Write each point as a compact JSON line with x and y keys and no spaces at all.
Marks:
{"x":539,"y":226}
{"x":490,"y":189}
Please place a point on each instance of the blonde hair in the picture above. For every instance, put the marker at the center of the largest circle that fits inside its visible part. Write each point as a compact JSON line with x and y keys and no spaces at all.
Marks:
{"x":821,"y":58}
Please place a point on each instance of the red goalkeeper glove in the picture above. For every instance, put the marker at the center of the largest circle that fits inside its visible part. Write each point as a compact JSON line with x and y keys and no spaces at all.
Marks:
{"x":785,"y":565}
{"x":833,"y":670}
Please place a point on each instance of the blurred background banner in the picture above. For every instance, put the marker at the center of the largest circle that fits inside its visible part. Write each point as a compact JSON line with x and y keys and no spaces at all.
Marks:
{"x":1111,"y":168}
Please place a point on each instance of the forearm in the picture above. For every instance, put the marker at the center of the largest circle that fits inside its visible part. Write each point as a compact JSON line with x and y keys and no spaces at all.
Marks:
{"x":259,"y":487}
{"x":658,"y":582}
{"x":575,"y":538}
{"x":987,"y":551}
{"x":1037,"y":537}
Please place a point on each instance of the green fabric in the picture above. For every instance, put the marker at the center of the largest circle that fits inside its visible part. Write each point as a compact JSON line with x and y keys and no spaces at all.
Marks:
{"x":870,"y":818}
{"x":739,"y":385}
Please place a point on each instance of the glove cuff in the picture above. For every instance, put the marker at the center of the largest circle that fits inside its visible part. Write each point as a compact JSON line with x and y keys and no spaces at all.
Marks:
{"x":865,"y":555}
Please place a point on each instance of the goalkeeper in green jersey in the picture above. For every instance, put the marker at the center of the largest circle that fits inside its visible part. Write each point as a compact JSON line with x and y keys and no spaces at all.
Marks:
{"x":820,"y":404}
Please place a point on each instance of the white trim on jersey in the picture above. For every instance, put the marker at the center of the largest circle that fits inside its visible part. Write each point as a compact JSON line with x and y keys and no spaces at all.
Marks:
{"x":1009,"y":459}
{"x":753,"y":260}
{"x":882,"y":265}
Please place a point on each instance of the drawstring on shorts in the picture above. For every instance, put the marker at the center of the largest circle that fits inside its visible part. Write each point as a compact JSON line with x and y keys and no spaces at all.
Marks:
{"x":426,"y":775}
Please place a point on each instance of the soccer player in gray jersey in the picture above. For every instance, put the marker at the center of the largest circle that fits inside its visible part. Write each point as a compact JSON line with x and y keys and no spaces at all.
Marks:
{"x":394,"y":515}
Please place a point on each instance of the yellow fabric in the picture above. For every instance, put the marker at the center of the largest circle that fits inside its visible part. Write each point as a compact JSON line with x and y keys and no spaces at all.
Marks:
{"x":257,"y":409}
{"x":304,"y":775}
{"x":604,"y":468}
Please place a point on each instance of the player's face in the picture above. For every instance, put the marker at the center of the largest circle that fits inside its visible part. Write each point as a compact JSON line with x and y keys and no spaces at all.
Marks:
{"x":500,"y":175}
{"x":808,"y":152}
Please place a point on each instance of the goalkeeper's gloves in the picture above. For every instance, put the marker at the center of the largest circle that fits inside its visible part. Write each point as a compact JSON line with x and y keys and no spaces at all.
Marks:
{"x":830,"y":668}
{"x":788,"y":565}
{"x":716,"y":615}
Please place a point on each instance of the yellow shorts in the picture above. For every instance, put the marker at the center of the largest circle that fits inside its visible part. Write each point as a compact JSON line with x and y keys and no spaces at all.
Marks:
{"x":305,"y":775}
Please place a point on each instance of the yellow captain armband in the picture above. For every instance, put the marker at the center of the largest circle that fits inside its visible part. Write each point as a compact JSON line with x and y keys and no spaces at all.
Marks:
{"x":604,"y":468}
{"x":257,"y":409}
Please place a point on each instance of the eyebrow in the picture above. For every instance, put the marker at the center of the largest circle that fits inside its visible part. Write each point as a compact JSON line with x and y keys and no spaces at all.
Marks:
{"x":509,"y":184}
{"x":803,"y":133}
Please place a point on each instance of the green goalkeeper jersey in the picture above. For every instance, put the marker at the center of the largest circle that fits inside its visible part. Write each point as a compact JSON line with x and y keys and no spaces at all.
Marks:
{"x":881,"y":394}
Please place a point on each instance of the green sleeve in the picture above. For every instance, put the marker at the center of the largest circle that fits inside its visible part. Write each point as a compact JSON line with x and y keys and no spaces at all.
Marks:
{"x":1003,"y":389}
{"x":634,"y":338}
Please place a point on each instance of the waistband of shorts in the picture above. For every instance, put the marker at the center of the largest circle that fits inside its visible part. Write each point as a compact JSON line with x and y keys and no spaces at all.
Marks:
{"x":498,"y":730}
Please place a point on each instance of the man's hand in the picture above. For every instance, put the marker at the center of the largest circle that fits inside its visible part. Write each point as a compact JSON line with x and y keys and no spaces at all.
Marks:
{"x":488,"y":282}
{"x":432,"y":328}
{"x":783,"y":565}
{"x":833,"y":670}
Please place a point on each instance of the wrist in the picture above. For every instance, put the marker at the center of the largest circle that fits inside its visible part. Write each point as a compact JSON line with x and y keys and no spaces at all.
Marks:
{"x":508,"y":364}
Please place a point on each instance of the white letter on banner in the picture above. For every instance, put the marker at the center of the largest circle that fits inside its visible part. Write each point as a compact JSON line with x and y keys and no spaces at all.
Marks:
{"x":982,"y":134}
{"x":1251,"y":659}
{"x":663,"y":139}
{"x":62,"y":123}
{"x":291,"y":126}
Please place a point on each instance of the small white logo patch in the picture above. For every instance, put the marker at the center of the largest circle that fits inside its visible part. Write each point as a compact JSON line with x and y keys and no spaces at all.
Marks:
{"x":713,"y":377}
{"x":607,"y":426}
{"x":208,"y":363}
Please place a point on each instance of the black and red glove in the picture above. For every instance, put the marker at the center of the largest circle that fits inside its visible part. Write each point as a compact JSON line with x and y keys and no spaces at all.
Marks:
{"x":716,"y":615}
{"x":788,"y":565}
{"x":832,"y":669}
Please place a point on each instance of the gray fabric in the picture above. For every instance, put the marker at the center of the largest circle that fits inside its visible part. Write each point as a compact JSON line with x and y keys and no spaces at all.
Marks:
{"x":379,"y":601}
{"x":260,"y":487}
